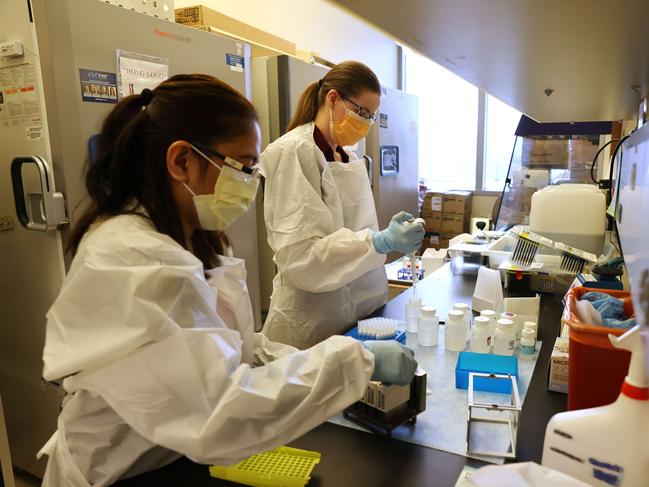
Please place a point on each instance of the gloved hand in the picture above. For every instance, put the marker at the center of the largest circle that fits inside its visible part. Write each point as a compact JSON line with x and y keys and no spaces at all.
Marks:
{"x":400,"y":236}
{"x":393,"y":363}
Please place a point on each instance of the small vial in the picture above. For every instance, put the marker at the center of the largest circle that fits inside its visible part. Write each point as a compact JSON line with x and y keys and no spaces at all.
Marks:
{"x":428,"y":327}
{"x":528,"y":345}
{"x":413,"y":312}
{"x":530,"y":325}
{"x":505,"y":339}
{"x":481,"y":335}
{"x":466,"y":309}
{"x":455,"y":331}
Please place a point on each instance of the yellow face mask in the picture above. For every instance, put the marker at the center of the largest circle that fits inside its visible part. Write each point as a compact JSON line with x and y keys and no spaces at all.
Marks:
{"x":350,"y":129}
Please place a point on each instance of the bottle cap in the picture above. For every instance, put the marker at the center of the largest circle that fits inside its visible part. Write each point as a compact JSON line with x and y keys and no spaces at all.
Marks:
{"x":505,"y":323}
{"x":455,"y":314}
{"x":531,"y":325}
{"x":481,"y":321}
{"x":489,"y":313}
{"x":508,"y":315}
{"x":428,"y":312}
{"x":527,"y":333}
{"x":461,"y":306}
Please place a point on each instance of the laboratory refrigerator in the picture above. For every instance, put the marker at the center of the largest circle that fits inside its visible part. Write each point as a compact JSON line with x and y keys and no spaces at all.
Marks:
{"x":46,"y":120}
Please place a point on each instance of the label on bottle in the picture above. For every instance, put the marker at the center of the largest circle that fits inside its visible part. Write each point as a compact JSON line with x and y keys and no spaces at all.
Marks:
{"x":511,"y":344}
{"x":527,"y":350}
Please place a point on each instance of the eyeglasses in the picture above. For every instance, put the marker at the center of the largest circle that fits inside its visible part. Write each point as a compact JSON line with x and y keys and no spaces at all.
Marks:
{"x":207,"y":152}
{"x":362,"y":111}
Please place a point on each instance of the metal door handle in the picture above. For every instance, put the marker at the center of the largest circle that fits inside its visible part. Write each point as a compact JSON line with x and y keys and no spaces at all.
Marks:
{"x":370,"y":165}
{"x":38,"y":211}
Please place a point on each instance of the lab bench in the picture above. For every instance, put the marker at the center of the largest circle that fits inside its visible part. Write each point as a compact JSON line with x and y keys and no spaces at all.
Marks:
{"x":355,"y":458}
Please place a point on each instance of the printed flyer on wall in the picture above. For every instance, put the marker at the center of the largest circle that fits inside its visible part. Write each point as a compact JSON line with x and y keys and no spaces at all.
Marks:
{"x":138,"y":71}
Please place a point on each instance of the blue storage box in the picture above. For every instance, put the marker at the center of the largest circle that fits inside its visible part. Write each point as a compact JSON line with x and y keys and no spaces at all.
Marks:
{"x":485,"y":363}
{"x":400,"y":336}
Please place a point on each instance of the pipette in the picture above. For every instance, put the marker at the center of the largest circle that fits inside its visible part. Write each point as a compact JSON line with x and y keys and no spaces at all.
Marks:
{"x":413,"y":258}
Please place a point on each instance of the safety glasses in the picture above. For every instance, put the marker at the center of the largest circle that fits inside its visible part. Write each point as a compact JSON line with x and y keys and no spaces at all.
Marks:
{"x":361,"y":110}
{"x":208,"y":153}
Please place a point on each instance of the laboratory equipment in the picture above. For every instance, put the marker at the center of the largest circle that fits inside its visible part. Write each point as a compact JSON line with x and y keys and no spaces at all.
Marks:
{"x":488,"y":292}
{"x":508,"y":315}
{"x":505,"y":339}
{"x":525,"y":309}
{"x":414,"y":268}
{"x":428,"y":327}
{"x":411,"y":270}
{"x":377,"y":329}
{"x":483,"y":363}
{"x":548,"y":154}
{"x":386,"y":407}
{"x":590,"y":384}
{"x":527,"y":246}
{"x":282,"y":467}
{"x":573,"y":260}
{"x":413,"y":313}
{"x":528,"y":345}
{"x":455,"y":331}
{"x":574,"y":214}
{"x":69,"y":43}
{"x":607,"y":445}
{"x":509,"y":413}
{"x":481,"y":335}
{"x":466,"y":254}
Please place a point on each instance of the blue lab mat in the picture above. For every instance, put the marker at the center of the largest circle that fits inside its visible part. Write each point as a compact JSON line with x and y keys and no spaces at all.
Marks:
{"x":485,"y":363}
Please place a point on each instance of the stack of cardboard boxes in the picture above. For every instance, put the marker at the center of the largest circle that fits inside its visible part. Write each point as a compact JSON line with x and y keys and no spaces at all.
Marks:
{"x":446,"y":215}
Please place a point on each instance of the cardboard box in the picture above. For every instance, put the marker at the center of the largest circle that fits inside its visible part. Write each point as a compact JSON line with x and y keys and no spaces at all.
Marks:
{"x":558,"y":375}
{"x":455,"y":224}
{"x":431,"y":241}
{"x":433,"y":222}
{"x":458,"y":202}
{"x":444,"y":242}
{"x":433,"y":203}
{"x":213,"y":21}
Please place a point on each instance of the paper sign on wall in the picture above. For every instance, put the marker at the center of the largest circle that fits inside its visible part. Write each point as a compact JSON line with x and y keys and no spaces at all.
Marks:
{"x":20,"y":104}
{"x":138,"y":71}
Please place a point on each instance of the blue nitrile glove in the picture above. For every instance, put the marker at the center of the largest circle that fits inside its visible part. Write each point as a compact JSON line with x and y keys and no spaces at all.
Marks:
{"x":606,"y":305}
{"x":623,"y":324}
{"x":393,"y":363}
{"x":399,"y":236}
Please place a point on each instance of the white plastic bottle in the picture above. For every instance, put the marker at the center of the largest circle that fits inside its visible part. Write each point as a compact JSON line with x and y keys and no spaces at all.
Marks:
{"x":428,"y":327}
{"x":607,"y":445}
{"x":413,"y":313}
{"x":528,"y":345}
{"x":505,"y":339}
{"x":466,"y":309}
{"x":455,"y":331}
{"x":518,"y":327}
{"x":491,"y":314}
{"x":481,"y":335}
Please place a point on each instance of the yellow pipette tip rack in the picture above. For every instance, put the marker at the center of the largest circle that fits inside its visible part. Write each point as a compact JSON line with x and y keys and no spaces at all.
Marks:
{"x":282,"y":467}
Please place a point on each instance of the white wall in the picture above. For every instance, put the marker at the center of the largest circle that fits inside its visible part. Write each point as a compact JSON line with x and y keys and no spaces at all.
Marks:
{"x":318,"y":26}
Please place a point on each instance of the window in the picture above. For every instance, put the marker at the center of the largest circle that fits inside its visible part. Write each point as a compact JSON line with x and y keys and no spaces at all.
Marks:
{"x":449,"y":130}
{"x":501,"y":121}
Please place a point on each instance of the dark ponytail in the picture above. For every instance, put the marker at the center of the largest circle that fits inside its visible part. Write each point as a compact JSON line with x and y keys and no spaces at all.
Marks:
{"x":348,"y":78}
{"x":129,"y":169}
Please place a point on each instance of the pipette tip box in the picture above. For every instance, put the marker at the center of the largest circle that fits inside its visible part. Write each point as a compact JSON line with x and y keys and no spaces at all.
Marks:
{"x":400,"y":336}
{"x":484,"y":363}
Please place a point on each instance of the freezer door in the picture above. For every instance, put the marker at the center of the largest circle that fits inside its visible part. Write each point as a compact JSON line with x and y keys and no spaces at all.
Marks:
{"x":392,"y":145}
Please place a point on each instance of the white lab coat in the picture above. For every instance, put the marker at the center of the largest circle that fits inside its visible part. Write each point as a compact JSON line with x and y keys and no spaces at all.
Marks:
{"x":320,"y":218}
{"x":154,"y":373}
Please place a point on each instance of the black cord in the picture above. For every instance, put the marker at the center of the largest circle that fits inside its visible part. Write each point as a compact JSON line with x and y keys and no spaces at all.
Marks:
{"x":592,"y":166}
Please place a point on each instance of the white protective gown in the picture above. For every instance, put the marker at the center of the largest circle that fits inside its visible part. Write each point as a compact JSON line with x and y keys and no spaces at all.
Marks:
{"x":320,"y":218}
{"x":154,"y":373}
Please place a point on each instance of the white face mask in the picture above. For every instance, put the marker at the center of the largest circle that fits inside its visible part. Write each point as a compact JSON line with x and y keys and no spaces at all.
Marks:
{"x":234,"y":192}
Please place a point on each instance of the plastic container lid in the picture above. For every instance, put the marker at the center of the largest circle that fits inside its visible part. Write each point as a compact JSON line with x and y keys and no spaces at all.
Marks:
{"x":489,"y":313}
{"x":428,"y":312}
{"x":508,"y":315}
{"x":455,"y":314}
{"x":505,"y":323}
{"x":529,"y":334}
{"x":461,"y":306}
{"x":481,"y":321}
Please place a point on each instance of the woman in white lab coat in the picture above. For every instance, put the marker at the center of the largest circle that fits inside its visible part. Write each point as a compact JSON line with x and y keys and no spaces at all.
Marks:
{"x":320,"y":213}
{"x":155,"y":351}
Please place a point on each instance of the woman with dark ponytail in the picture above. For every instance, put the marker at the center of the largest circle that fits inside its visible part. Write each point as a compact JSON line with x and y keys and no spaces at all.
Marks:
{"x":320,"y":213}
{"x":151,"y":334}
